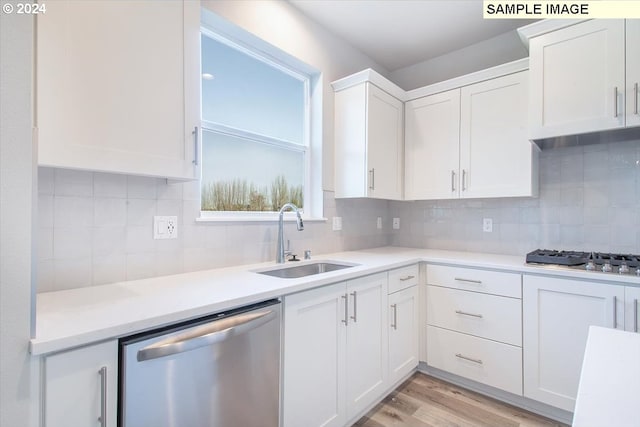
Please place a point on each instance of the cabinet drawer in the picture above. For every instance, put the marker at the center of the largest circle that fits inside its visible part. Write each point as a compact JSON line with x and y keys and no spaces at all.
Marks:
{"x":488,"y":362}
{"x":403,"y":278}
{"x":488,"y":282}
{"x":486,"y":316}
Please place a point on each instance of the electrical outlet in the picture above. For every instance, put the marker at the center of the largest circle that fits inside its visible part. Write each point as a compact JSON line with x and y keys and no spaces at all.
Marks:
{"x":396,"y":223}
{"x":337,"y":223}
{"x":165,"y":227}
{"x":487,"y":225}
{"x":379,"y":223}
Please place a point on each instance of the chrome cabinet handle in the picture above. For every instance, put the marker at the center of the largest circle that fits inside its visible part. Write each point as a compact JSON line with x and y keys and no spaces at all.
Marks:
{"x":464,"y":313}
{"x":211,"y":333}
{"x":470,"y":359}
{"x":195,"y":143}
{"x":615,"y":312}
{"x":404,"y":279}
{"x":460,"y":279}
{"x":394,"y":325}
{"x":635,"y":315}
{"x":615,"y":101}
{"x":355,"y":306}
{"x":372,"y":174}
{"x":453,"y":181}
{"x":346,"y":309}
{"x":635,"y":98}
{"x":102,"y":419}
{"x":464,"y":178}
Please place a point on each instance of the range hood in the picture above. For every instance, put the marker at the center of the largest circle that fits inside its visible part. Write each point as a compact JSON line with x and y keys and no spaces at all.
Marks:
{"x":601,"y":137}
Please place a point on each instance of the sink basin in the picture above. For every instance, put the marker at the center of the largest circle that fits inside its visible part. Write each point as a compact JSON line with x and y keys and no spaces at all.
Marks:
{"x":303,"y":270}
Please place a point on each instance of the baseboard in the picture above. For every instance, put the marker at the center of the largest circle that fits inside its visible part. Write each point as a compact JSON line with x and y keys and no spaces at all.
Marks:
{"x":512,"y":399}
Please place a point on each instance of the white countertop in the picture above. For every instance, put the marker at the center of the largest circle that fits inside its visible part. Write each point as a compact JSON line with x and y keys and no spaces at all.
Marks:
{"x":76,"y":317}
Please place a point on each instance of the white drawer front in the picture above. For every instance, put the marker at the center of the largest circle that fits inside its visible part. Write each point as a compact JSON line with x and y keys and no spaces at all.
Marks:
{"x":489,"y":282}
{"x":403,"y":278}
{"x":488,"y":362}
{"x":487,"y":316}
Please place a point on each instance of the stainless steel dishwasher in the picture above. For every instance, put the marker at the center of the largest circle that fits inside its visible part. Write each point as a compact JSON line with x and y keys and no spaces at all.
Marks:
{"x":218,"y":371}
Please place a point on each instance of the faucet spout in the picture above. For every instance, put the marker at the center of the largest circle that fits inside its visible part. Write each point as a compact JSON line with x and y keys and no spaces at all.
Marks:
{"x":299,"y":225}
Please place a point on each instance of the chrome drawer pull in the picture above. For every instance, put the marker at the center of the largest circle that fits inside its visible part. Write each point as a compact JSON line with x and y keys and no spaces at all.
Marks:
{"x":615,"y":102}
{"x":470,"y":359}
{"x":404,"y":279}
{"x":635,"y":315}
{"x":394,"y":325}
{"x":453,"y":181}
{"x":479,"y":316}
{"x":459,"y":279}
{"x":635,"y":98}
{"x":345,"y":297}
{"x":102,"y":419}
{"x":615,"y":312}
{"x":355,"y":306}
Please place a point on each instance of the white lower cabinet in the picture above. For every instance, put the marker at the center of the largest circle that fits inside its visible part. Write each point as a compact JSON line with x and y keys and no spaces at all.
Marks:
{"x":81,"y":387}
{"x":557,"y":314}
{"x":403,"y":333}
{"x":474,"y":325}
{"x":335,"y":351}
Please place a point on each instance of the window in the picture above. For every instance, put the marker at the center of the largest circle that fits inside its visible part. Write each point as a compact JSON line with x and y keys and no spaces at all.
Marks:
{"x":255,"y":130}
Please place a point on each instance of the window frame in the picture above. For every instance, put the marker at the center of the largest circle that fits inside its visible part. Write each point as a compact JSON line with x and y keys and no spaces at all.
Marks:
{"x":234,"y":37}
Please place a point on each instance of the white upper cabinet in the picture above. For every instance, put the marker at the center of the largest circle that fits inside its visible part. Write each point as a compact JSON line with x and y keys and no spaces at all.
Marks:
{"x":432,"y":147}
{"x":471,"y":142}
{"x":633,"y":72}
{"x":496,"y":156}
{"x":368,"y":143}
{"x":118,"y":87}
{"x":578,"y":78}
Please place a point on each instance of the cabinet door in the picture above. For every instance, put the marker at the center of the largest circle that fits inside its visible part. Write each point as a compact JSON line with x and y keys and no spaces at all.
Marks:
{"x":74,"y":387}
{"x":124,"y":101}
{"x":633,"y":72}
{"x":314,"y":357}
{"x":557,"y":314}
{"x":367,"y":342}
{"x":403,"y":333}
{"x":495,"y":152}
{"x":384,"y":144}
{"x":577,"y":79}
{"x":632,"y":309}
{"x":432,"y":147}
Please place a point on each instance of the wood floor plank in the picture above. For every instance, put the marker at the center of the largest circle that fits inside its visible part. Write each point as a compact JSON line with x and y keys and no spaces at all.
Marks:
{"x":424,"y":401}
{"x":520,"y":416}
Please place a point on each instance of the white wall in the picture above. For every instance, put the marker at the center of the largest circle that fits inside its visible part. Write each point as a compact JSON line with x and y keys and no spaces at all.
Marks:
{"x":18,"y":374}
{"x":498,"y":50}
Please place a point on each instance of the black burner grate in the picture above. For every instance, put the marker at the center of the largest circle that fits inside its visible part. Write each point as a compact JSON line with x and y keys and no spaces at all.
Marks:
{"x":570,"y":258}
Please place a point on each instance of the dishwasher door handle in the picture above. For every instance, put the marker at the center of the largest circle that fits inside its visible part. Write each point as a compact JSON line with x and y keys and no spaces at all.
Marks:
{"x":211,"y":333}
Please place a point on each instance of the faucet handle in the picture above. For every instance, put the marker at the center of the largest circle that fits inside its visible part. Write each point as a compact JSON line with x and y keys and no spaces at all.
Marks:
{"x":307,"y":254}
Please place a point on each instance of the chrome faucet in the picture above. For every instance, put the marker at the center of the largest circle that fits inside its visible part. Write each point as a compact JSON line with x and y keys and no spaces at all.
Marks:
{"x":280,"y":249}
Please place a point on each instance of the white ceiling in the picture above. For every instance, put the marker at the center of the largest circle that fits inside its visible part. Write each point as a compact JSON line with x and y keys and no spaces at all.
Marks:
{"x":399,"y":33}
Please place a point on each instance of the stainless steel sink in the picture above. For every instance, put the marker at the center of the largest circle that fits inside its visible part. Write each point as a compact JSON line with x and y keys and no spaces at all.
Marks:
{"x":308,"y":269}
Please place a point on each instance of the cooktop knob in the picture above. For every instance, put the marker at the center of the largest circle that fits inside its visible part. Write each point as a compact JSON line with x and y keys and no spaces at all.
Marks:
{"x":590,"y":266}
{"x":606,"y":268}
{"x":623,"y":269}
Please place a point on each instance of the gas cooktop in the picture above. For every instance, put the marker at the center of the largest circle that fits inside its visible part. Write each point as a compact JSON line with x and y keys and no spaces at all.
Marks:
{"x":591,"y":261}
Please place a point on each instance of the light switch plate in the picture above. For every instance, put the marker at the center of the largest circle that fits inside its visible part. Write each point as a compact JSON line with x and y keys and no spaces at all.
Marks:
{"x":379,"y":223}
{"x":337,"y":223}
{"x":487,"y":225}
{"x":165,"y":227}
{"x":396,"y":223}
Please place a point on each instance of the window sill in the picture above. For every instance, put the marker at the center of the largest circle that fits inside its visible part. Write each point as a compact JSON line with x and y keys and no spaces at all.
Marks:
{"x":270,"y":217}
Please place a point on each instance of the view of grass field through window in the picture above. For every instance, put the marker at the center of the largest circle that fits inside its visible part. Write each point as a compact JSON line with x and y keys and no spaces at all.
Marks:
{"x":253,"y":139}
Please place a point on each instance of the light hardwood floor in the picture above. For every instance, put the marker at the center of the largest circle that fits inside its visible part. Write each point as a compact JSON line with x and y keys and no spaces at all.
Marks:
{"x":424,"y":401}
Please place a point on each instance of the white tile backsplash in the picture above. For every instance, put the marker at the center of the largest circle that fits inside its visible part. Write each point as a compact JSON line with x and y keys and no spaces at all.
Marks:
{"x":97,"y":228}
{"x":589,"y":200}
